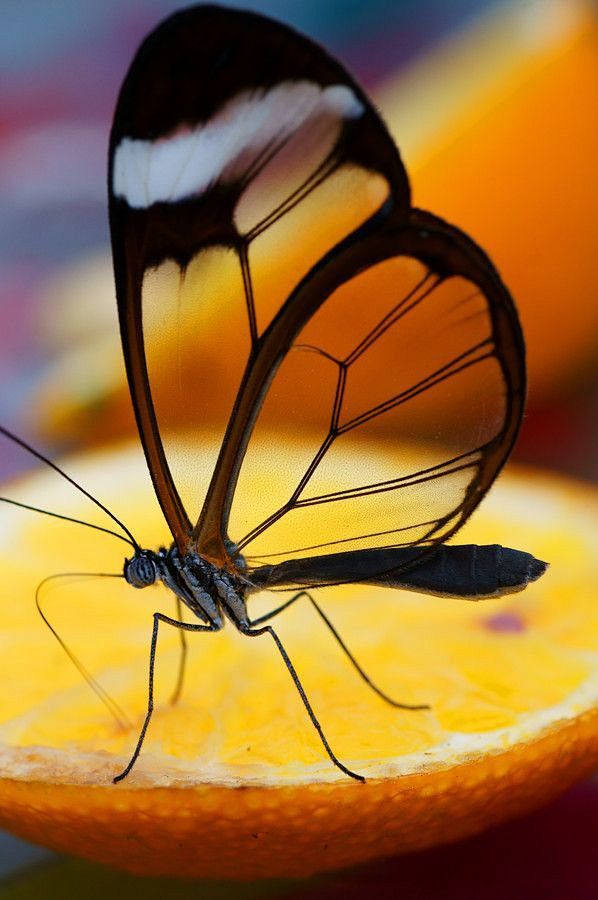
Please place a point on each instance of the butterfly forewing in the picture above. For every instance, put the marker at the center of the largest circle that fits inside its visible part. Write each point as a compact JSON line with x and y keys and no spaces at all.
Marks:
{"x":241,"y":153}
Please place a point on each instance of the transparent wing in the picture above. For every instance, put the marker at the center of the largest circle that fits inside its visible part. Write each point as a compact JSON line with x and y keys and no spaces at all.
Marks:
{"x":407,"y":387}
{"x":261,"y":225}
{"x":241,"y":155}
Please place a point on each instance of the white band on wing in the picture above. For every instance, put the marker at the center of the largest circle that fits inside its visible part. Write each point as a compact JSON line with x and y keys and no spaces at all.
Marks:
{"x":254,"y":124}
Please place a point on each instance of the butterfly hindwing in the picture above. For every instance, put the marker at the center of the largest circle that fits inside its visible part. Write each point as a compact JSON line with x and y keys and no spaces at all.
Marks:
{"x":407,"y":386}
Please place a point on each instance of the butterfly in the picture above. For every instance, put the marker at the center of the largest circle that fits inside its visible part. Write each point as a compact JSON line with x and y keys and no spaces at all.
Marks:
{"x":260,"y":211}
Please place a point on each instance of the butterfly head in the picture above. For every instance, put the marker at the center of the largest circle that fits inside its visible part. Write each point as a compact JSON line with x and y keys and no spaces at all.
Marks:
{"x":140,"y":571}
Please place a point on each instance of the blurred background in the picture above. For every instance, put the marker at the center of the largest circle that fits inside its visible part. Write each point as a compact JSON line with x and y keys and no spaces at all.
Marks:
{"x":493,"y":106}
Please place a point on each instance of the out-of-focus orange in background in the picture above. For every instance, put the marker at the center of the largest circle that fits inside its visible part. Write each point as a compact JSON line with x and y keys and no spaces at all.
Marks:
{"x":516,"y":169}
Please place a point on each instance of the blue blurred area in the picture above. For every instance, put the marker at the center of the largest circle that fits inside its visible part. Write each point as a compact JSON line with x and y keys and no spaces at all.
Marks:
{"x":35,"y":32}
{"x":16,"y":855}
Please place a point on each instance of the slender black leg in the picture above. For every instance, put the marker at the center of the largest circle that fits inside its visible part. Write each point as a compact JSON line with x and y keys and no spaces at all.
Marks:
{"x":185,"y":626}
{"x":291,"y":668}
{"x":342,"y":645}
{"x":178,"y":688}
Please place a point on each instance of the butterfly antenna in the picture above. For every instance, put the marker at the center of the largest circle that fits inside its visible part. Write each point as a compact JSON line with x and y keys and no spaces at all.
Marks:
{"x":112,"y":706}
{"x":47,"y":512}
{"x":21,"y":443}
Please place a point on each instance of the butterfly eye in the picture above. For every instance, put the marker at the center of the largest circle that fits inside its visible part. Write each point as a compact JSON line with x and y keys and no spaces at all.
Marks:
{"x":140,"y":571}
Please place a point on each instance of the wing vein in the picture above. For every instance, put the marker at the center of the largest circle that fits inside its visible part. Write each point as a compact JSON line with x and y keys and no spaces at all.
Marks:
{"x":391,"y":317}
{"x":442,"y":374}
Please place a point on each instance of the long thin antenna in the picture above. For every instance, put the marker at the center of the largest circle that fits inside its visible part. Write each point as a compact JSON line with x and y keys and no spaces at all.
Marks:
{"x":48,"y":462}
{"x":47,"y":512}
{"x":120,"y":716}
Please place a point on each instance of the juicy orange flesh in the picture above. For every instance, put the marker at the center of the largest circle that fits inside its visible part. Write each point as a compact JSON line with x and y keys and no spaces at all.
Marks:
{"x":484,"y":667}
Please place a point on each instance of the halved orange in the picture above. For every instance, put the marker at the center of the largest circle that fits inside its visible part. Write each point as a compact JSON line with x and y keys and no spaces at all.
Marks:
{"x":232,"y":781}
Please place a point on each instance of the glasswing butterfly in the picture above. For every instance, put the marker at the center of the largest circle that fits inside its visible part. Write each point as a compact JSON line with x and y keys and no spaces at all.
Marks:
{"x":260,"y":208}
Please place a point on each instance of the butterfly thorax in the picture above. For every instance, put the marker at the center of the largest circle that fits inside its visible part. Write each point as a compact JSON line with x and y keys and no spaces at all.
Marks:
{"x":208,"y":591}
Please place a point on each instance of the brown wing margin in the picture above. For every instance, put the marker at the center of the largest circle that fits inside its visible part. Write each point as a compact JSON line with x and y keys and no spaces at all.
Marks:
{"x":128,"y":287}
{"x":184,"y":75}
{"x":446,"y":252}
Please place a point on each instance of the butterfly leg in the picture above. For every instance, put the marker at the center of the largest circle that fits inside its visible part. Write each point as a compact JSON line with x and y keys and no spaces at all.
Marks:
{"x":343,"y":647}
{"x":184,"y":626}
{"x":178,"y":688}
{"x":291,"y":668}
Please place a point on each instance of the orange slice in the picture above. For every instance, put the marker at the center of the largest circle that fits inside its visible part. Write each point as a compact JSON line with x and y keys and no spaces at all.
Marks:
{"x":232,"y":781}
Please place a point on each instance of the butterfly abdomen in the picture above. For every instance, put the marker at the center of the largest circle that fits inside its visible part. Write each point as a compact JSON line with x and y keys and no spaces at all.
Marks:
{"x":469,"y":571}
